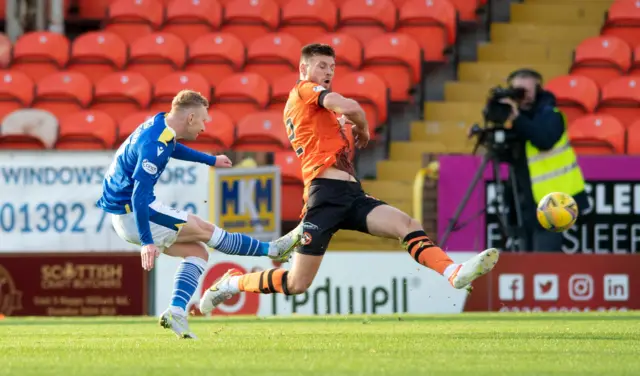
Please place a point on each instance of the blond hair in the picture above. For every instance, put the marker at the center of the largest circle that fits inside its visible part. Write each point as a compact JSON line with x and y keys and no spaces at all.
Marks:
{"x":189,"y":98}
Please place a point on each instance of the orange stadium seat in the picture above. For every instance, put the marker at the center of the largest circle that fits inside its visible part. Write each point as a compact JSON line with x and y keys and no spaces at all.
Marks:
{"x":5,"y":51}
{"x":602,"y":59}
{"x":130,"y":123}
{"x":93,"y":9}
{"x":431,"y":23}
{"x":241,"y":94}
{"x":348,"y":50}
{"x":575,"y":95}
{"x":633,"y":138}
{"x":397,"y":59}
{"x":597,"y":134}
{"x":156,"y":55}
{"x":367,"y":19}
{"x":370,"y":91}
{"x":16,"y":91}
{"x":261,"y":131}
{"x":218,"y":134}
{"x":40,"y":53}
{"x":635,"y":64}
{"x":623,"y":21}
{"x":216,"y":56}
{"x":62,"y":93}
{"x":280,"y":90}
{"x":120,"y":94}
{"x":621,"y":98}
{"x":87,"y":130}
{"x":467,"y":9}
{"x":250,"y":19}
{"x":308,"y":19}
{"x":28,"y":129}
{"x":97,"y":53}
{"x":188,"y":18}
{"x":273,"y":55}
{"x":131,"y":19}
{"x":168,"y":86}
{"x":292,"y":185}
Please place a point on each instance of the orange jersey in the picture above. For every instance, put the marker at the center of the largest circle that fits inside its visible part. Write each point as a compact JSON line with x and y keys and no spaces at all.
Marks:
{"x":315,"y":133}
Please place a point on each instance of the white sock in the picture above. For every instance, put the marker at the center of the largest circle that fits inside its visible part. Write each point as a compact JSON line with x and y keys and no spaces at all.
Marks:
{"x":216,"y":237}
{"x":449,"y":270}
{"x":234,"y":284}
{"x":177,"y":311}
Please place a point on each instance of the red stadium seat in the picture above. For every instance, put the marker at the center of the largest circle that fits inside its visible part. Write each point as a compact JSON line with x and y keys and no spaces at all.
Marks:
{"x":348,"y":50}
{"x":602,"y":59}
{"x":597,"y":134}
{"x":397,"y":59}
{"x":635,"y":65}
{"x":431,"y":23}
{"x":97,"y":53}
{"x":218,"y":134}
{"x":87,"y":130}
{"x":292,"y":185}
{"x":280,"y":91}
{"x":370,"y":91}
{"x":250,"y":19}
{"x":216,"y":56}
{"x":62,"y":93}
{"x":467,"y":9}
{"x":93,"y":9}
{"x":621,"y":98}
{"x":156,"y":55}
{"x":623,"y":21}
{"x":5,"y":51}
{"x":367,"y":19}
{"x":308,"y":19}
{"x":576,"y":96}
{"x":633,"y":138}
{"x":261,"y":131}
{"x":168,"y":86}
{"x":120,"y":94}
{"x":130,"y":124}
{"x":40,"y":53}
{"x":131,"y":19}
{"x":188,"y":18}
{"x":16,"y":91}
{"x":273,"y":55}
{"x":28,"y":129}
{"x":241,"y":94}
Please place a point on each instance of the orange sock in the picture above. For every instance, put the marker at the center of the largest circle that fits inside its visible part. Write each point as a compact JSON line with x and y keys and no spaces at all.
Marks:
{"x":266,"y":282}
{"x":425,"y":252}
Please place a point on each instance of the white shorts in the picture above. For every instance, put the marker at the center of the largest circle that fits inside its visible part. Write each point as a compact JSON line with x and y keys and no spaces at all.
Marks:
{"x":165,"y":222}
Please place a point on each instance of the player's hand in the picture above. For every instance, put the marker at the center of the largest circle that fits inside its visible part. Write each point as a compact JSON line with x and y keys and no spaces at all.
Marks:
{"x":223,"y":161}
{"x":148,"y":253}
{"x":515,"y":112}
{"x":361,"y":136}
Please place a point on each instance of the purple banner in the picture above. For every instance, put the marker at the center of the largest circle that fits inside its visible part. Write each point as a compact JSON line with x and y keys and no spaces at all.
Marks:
{"x":612,"y":193}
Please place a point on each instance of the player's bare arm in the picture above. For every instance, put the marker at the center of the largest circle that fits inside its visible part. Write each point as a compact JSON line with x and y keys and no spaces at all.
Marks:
{"x":353,"y":112}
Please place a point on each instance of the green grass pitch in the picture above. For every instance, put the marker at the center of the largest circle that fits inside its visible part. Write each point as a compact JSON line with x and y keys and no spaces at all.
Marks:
{"x":465,"y":344}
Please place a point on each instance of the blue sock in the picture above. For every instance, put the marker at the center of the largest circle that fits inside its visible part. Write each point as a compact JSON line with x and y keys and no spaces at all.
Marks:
{"x":237,"y":244}
{"x":186,"y":281}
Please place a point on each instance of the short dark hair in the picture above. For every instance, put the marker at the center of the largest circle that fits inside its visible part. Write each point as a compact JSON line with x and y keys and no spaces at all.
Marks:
{"x":317,"y":49}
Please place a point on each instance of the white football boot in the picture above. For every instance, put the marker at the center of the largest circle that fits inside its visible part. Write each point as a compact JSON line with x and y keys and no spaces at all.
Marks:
{"x":477,"y":266}
{"x":218,"y":292}
{"x":282,"y":248}
{"x":177,"y":323}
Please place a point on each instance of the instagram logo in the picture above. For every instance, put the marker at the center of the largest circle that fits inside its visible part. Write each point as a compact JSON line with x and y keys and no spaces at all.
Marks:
{"x":580,"y":287}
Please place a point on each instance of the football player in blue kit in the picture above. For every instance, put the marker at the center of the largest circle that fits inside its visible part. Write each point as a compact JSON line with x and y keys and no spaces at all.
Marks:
{"x":139,"y":218}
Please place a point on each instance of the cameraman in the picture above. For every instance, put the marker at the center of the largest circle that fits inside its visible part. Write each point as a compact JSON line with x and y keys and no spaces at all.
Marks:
{"x":544,"y":161}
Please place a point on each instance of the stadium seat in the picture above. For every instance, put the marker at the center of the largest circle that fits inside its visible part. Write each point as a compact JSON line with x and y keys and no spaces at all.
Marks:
{"x":308,"y":19}
{"x":633,"y":138}
{"x":602,"y":59}
{"x":348,"y":50}
{"x":280,"y":90}
{"x":397,"y":59}
{"x":250,"y":19}
{"x":292,"y":185}
{"x":216,"y":56}
{"x":93,"y":9}
{"x":597,"y":134}
{"x":168,"y":86}
{"x":40,"y":53}
{"x":575,"y":95}
{"x":131,"y":19}
{"x":623,"y":21}
{"x":96,"y":54}
{"x":367,"y":19}
{"x":156,"y":55}
{"x":130,"y":123}
{"x":16,"y":91}
{"x":241,"y":94}
{"x":273,"y":55}
{"x":467,"y":9}
{"x":621,"y":98}
{"x":5,"y":51}
{"x":188,"y":18}
{"x":62,"y":93}
{"x":87,"y":130}
{"x":370,"y":91}
{"x":218,"y":136}
{"x":261,"y":131}
{"x":431,"y":23}
{"x":28,"y":129}
{"x":120,"y":94}
{"x":635,"y":64}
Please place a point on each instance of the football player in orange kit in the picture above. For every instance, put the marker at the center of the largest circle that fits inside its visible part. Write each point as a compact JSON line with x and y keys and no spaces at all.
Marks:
{"x":334,"y":199}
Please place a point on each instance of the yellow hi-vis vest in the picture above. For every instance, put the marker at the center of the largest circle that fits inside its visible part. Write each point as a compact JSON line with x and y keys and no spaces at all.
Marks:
{"x":554,"y":170}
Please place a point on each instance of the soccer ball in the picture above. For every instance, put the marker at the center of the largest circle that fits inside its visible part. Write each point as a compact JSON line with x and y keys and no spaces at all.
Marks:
{"x":557,"y":212}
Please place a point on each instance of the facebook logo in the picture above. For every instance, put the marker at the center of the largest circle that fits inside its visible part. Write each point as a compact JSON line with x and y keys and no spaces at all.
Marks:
{"x":511,"y":287}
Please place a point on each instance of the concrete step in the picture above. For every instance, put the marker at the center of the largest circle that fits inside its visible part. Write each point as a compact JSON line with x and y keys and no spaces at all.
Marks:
{"x":512,"y":52}
{"x":575,"y":13}
{"x":541,"y":33}
{"x":466,"y":112}
{"x":496,"y":73}
{"x":388,"y":189}
{"x":398,"y":170}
